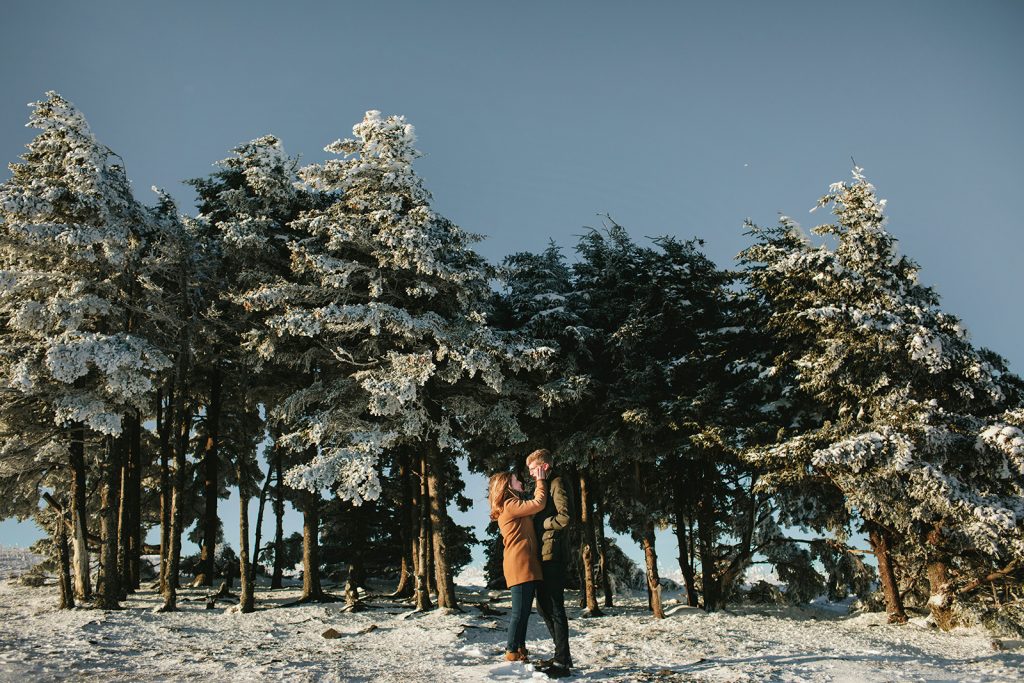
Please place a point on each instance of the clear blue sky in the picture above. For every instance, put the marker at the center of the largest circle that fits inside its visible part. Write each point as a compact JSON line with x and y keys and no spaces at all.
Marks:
{"x":674,"y":117}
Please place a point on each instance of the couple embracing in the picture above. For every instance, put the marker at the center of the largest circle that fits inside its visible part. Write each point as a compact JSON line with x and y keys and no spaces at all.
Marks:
{"x":535,"y":535}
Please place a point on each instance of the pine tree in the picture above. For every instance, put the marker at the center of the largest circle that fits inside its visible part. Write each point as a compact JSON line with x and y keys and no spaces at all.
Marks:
{"x":245,"y":208}
{"x":902,"y":394}
{"x":73,"y":345}
{"x":177,"y":274}
{"x":384,"y":312}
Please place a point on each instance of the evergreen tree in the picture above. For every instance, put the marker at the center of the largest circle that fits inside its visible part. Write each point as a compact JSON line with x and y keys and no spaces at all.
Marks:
{"x":385,"y":309}
{"x":75,"y":354}
{"x":245,"y":208}
{"x":178,"y":273}
{"x":903,"y":394}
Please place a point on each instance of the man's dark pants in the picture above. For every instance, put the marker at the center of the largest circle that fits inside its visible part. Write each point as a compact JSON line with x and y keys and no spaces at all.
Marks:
{"x":551,"y":607}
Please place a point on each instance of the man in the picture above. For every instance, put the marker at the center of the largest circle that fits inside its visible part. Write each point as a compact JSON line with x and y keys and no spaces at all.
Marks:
{"x":552,"y":526}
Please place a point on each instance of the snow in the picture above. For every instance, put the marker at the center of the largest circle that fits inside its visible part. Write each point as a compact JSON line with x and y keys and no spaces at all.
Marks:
{"x":16,"y":561}
{"x":40,"y":643}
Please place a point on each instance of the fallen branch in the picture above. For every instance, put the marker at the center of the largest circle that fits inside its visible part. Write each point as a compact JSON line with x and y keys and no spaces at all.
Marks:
{"x":482,"y":628}
{"x":222,"y":594}
{"x":486,"y":609}
{"x":994,"y":576}
{"x":324,"y":598}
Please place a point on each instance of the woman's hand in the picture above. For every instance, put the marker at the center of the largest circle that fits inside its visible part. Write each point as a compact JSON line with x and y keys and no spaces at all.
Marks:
{"x":539,"y":472}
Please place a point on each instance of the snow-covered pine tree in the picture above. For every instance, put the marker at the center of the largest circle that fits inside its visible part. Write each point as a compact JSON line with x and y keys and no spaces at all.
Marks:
{"x":386,"y":300}
{"x":903,"y":395}
{"x":245,"y":208}
{"x":176,"y":271}
{"x":763,"y":358}
{"x":74,"y":345}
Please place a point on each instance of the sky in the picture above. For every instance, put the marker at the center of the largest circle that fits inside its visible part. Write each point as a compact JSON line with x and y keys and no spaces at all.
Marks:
{"x":538,"y":118}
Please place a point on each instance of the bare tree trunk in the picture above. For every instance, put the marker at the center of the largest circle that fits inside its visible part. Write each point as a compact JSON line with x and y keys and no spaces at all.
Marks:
{"x":276,"y":580}
{"x":683,"y":539}
{"x":247,"y":596}
{"x":109,"y":588}
{"x":685,"y":565}
{"x":653,"y":581}
{"x":123,"y":517}
{"x":67,"y":590}
{"x":311,"y":589}
{"x":602,"y":549}
{"x":706,"y":537}
{"x":163,"y":430}
{"x":940,"y":585}
{"x":879,"y":540}
{"x":589,"y":544}
{"x":355,"y":576}
{"x":211,"y":481}
{"x":60,"y":538}
{"x":439,"y":526}
{"x":407,"y":518}
{"x":80,"y":514}
{"x":179,"y":427}
{"x":259,"y":518}
{"x":415,"y":548}
{"x":423,"y":564}
{"x":135,"y":509}
{"x":183,"y":423}
{"x":431,"y":574}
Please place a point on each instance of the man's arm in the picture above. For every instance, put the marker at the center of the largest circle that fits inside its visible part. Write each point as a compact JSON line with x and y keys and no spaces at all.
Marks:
{"x":559,"y":520}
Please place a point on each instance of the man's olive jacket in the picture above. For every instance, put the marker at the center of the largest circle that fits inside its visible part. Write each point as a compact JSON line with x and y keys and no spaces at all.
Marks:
{"x":553,"y":522}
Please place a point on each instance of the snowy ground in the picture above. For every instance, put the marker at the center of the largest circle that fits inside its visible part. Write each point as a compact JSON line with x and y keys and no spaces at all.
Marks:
{"x":40,"y":643}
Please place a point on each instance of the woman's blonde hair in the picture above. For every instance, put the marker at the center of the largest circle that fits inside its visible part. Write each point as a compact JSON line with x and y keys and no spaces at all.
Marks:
{"x":498,"y":492}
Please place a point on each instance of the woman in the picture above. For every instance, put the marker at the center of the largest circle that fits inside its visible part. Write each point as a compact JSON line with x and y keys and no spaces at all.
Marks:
{"x":521,"y":564}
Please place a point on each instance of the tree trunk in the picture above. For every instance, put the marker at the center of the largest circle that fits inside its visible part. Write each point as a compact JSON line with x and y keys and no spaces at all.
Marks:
{"x":355,"y":576}
{"x":682,"y":538}
{"x":439,"y":526}
{"x":415,"y":521}
{"x":109,"y":588}
{"x":407,"y":518}
{"x":879,"y":540}
{"x":179,"y":427}
{"x":706,"y":542}
{"x":940,"y":585}
{"x":80,"y":514}
{"x":311,"y":589}
{"x":124,"y":516}
{"x":247,"y":595}
{"x":211,"y":481}
{"x":182,"y":425}
{"x":423,"y":564}
{"x":135,"y":510}
{"x":685,"y":565}
{"x":259,"y":518}
{"x":276,"y":580}
{"x":67,"y":590}
{"x":163,"y":431}
{"x":60,"y":539}
{"x":589,"y":544}
{"x":653,"y":581}
{"x":602,"y":549}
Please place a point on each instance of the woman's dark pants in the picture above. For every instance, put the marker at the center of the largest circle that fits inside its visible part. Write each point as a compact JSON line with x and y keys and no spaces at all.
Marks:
{"x":522,"y":603}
